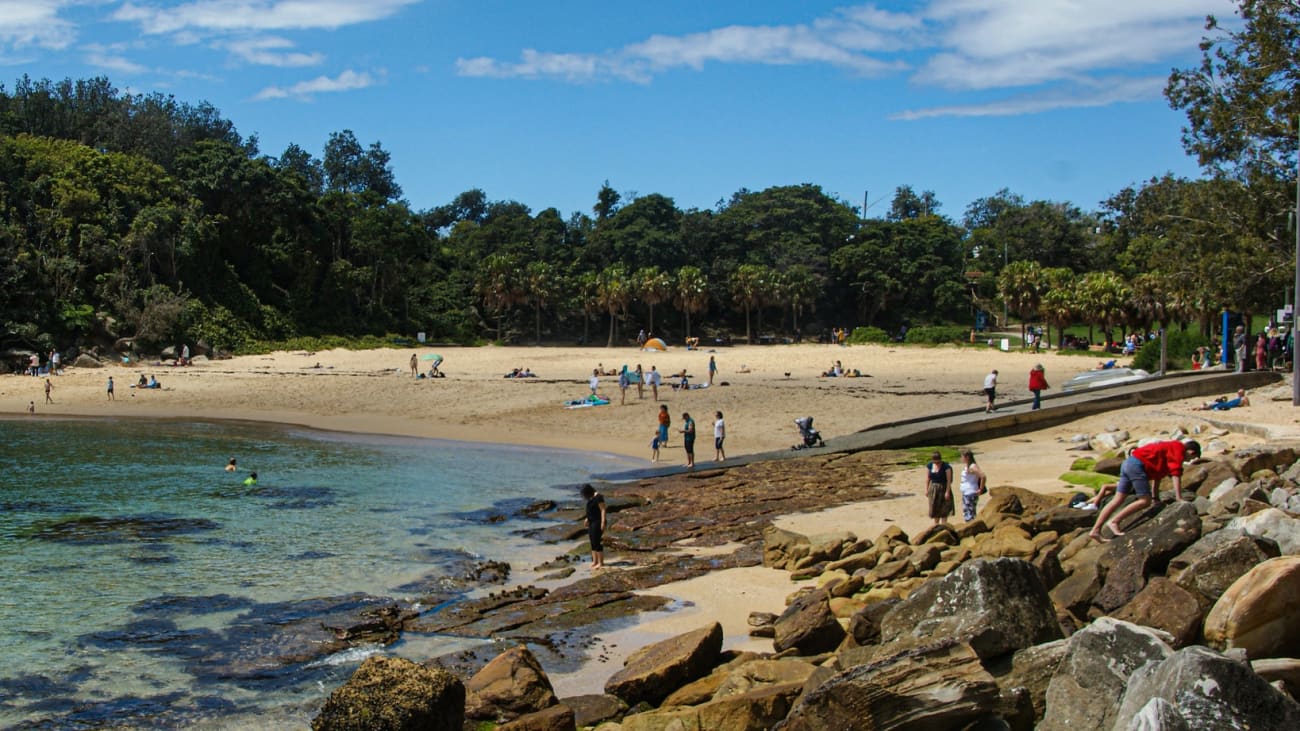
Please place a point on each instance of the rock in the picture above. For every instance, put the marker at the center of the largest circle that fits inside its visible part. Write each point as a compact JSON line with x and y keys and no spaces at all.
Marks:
{"x":1063,"y":519}
{"x":1004,"y":541}
{"x":653,"y":672}
{"x":1085,"y":690}
{"x":939,"y":685}
{"x":890,"y":571}
{"x":1257,"y":613}
{"x":1108,"y":465}
{"x":808,"y":625}
{"x":762,"y":673}
{"x":1049,"y":566}
{"x":864,"y":625}
{"x":589,"y":710}
{"x":971,"y":528}
{"x":936,"y":533}
{"x":926,"y":556}
{"x":998,"y":606}
{"x":1074,"y":594}
{"x":1209,"y":566}
{"x":86,"y":360}
{"x":511,"y":685}
{"x":1263,"y":457}
{"x":555,"y":718}
{"x":1209,"y":691}
{"x":1164,"y":605}
{"x":1032,"y":669}
{"x":394,"y":694}
{"x":1210,"y":476}
{"x":1229,"y":499}
{"x":830,"y":546}
{"x":754,"y":711}
{"x":1157,"y":715}
{"x":782,"y":549}
{"x":1146,"y":550}
{"x":1285,"y":670}
{"x":1274,"y":525}
{"x":863,"y":560}
{"x":1109,"y":441}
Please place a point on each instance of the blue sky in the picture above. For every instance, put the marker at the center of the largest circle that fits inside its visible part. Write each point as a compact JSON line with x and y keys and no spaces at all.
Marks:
{"x":541,"y":102}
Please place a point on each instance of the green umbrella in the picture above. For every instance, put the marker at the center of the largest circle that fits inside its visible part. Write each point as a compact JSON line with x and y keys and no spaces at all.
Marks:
{"x":431,"y":356}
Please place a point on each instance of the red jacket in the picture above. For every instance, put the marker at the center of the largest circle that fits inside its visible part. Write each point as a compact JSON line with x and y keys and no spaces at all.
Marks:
{"x":1161,"y":459}
{"x":1037,"y":380}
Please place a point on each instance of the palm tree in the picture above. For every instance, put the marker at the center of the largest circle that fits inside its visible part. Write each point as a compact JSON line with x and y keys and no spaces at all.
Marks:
{"x":653,"y":286}
{"x":614,"y":289}
{"x":542,"y":285}
{"x":1103,"y":295}
{"x":798,"y":288}
{"x":588,"y":294}
{"x":1058,"y":304}
{"x":750,"y":286}
{"x":1020,"y":284}
{"x":499,"y":286}
{"x":692,"y":293}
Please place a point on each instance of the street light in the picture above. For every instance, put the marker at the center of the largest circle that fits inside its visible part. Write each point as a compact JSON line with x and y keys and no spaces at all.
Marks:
{"x":1004,"y":295}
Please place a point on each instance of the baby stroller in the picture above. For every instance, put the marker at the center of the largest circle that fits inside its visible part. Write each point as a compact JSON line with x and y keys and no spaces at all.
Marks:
{"x":811,"y":437}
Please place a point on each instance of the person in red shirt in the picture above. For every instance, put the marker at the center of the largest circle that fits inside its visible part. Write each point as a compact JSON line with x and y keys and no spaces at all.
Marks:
{"x":1038,"y":384}
{"x":1141,"y":474}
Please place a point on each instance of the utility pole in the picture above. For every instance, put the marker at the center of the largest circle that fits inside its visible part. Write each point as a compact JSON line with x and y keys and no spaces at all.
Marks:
{"x":1295,"y":308}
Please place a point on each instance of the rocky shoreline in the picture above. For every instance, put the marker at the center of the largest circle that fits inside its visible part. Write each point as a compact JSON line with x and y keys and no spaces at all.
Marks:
{"x":1014,"y":620}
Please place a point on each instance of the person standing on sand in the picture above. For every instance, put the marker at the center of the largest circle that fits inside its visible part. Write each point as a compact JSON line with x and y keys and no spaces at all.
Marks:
{"x":972,"y":485}
{"x":595,"y":521}
{"x":654,"y":382}
{"x":990,"y":390}
{"x":110,"y":388}
{"x":719,"y":436}
{"x":415,"y":366}
{"x":654,"y":447}
{"x":665,"y":421}
{"x":31,"y":408}
{"x":688,"y":438}
{"x":1037,"y":384}
{"x":938,"y":488}
{"x":623,"y":382}
{"x":640,"y":382}
{"x":594,"y":381}
{"x":713,"y":369}
{"x":48,"y":388}
{"x":1140,"y":474}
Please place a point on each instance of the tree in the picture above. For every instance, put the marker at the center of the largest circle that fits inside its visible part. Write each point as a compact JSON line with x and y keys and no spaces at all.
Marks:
{"x":614,"y":288}
{"x":653,"y":286}
{"x":907,"y":204}
{"x":751,"y":286}
{"x":1021,"y":287}
{"x":797,"y":288}
{"x":1060,"y":304}
{"x":350,"y":168}
{"x":1243,"y":100}
{"x":606,"y":202}
{"x":541,"y":286}
{"x":692,"y":293}
{"x":1103,"y":296}
{"x":499,"y":286}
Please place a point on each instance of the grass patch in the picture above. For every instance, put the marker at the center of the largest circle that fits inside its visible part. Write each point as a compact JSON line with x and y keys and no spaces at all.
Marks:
{"x":1083,"y":464}
{"x":1091,"y":480}
{"x":921,"y":455}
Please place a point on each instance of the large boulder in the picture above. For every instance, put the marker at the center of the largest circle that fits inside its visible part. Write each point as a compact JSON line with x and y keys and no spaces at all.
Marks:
{"x":589,"y":710}
{"x":1213,"y":563}
{"x":1274,"y":525}
{"x":654,"y":671}
{"x":1032,"y":669}
{"x":1164,"y":605}
{"x":1258,"y":612}
{"x":1063,"y":519}
{"x":1146,"y":550}
{"x":808,"y":625}
{"x":864,"y":625}
{"x":1263,"y":457}
{"x":86,"y":360}
{"x":1207,"y":691}
{"x":1089,"y":682}
{"x":393,"y":694}
{"x":756,"y":710}
{"x":511,"y":685}
{"x":555,"y":718}
{"x":1074,"y":594}
{"x":940,"y":685}
{"x":782,"y":549}
{"x":760,"y":673}
{"x":998,"y":606}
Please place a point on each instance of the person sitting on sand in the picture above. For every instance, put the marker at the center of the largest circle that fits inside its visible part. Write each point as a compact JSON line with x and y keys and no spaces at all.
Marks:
{"x":1223,"y":403}
{"x":835,"y":371}
{"x":692,"y":343}
{"x":1105,"y":365}
{"x":143,"y":382}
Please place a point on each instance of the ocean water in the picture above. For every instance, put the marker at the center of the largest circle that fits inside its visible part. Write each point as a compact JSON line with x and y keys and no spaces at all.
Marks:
{"x":142,"y":586}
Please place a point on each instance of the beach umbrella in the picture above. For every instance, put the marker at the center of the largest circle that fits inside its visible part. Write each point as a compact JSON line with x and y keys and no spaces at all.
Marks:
{"x":431,"y":356}
{"x":654,"y":344}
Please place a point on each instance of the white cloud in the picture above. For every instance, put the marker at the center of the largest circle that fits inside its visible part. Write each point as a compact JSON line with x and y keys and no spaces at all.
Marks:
{"x":271,"y":51}
{"x":34,"y":23}
{"x":1058,"y":51}
{"x":1115,"y":91}
{"x":346,"y":81}
{"x":225,"y":16}
{"x":109,"y":58}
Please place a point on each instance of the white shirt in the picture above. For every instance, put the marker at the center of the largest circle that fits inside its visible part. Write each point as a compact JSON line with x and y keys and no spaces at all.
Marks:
{"x":719,"y":429}
{"x":594,"y":383}
{"x":653,"y":378}
{"x":970,"y":482}
{"x":991,"y":380}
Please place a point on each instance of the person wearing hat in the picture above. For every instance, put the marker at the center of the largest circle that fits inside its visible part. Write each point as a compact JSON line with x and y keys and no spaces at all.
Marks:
{"x":1140,"y":474}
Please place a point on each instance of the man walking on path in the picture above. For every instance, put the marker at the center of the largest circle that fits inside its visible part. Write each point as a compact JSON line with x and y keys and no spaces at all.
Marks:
{"x":1141,"y":473}
{"x":990,"y":390}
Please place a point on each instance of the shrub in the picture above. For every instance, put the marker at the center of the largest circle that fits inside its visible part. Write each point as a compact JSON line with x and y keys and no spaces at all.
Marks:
{"x":1179,"y":346}
{"x":863,"y":335}
{"x":938,"y":334}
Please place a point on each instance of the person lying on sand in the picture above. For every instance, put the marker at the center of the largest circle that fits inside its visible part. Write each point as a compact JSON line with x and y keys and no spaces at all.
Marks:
{"x":1223,"y":403}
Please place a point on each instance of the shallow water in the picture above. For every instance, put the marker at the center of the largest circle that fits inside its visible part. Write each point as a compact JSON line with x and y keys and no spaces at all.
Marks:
{"x":140,"y":580}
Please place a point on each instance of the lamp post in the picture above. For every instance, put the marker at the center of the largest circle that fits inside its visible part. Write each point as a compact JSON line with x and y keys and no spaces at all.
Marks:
{"x":1295,"y":309}
{"x":1005,"y":321}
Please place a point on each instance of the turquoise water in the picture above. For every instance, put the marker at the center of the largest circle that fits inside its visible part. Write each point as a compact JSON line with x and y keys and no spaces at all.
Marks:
{"x":135,"y":572}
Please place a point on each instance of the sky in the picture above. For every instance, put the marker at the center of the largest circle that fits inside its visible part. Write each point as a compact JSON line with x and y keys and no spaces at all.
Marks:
{"x":542,"y":102}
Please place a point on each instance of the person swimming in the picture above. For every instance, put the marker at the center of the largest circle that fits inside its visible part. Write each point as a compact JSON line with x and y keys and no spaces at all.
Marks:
{"x":232,"y":465}
{"x":251,"y":479}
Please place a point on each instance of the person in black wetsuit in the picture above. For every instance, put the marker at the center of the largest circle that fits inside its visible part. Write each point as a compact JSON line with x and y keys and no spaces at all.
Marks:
{"x":595,"y":521}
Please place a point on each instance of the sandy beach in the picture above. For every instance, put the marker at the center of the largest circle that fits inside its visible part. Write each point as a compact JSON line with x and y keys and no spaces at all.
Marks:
{"x":373,"y":392}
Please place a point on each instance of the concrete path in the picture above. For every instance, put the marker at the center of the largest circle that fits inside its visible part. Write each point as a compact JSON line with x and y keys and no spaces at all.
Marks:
{"x":1012,"y":417}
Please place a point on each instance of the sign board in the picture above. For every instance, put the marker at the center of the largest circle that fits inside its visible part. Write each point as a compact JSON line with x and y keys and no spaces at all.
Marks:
{"x":419,"y":336}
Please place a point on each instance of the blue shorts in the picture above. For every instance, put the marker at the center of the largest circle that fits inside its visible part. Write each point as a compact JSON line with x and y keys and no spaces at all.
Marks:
{"x":1133,"y":478}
